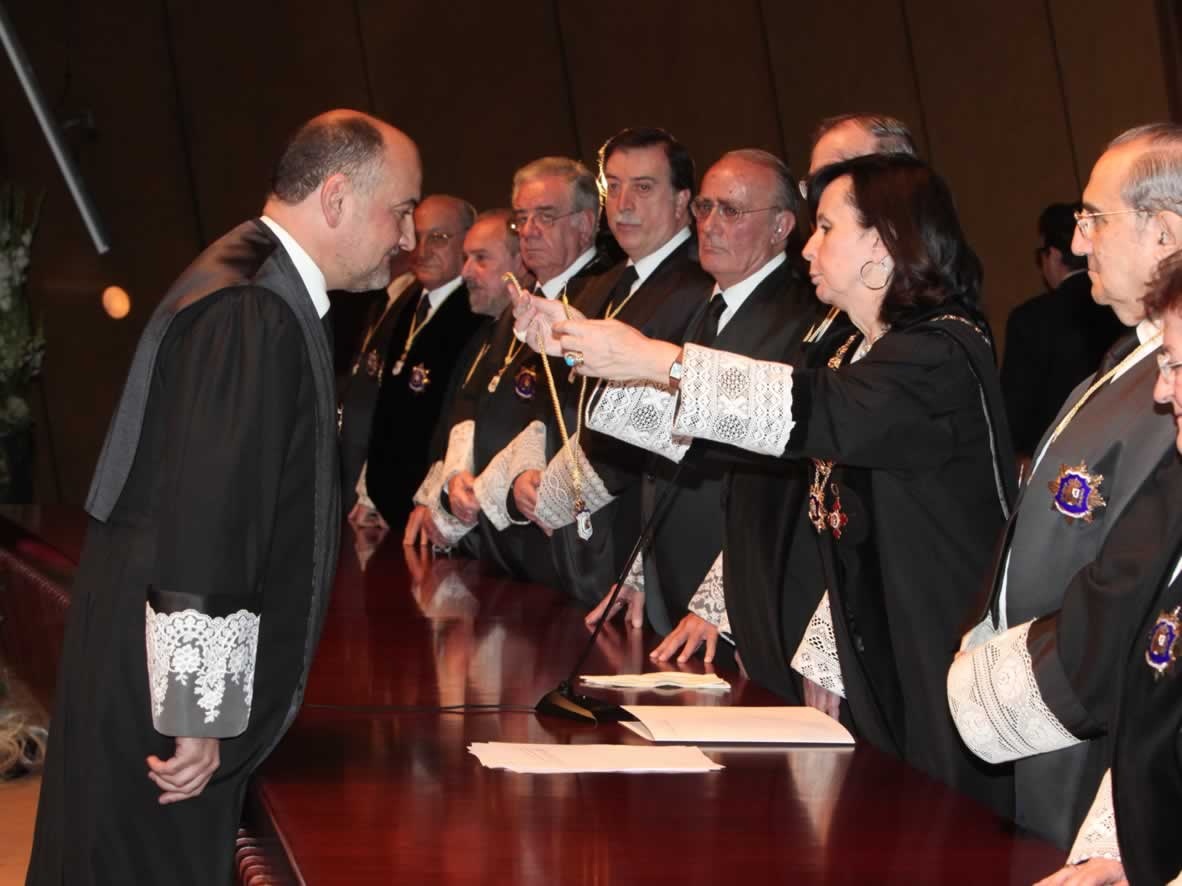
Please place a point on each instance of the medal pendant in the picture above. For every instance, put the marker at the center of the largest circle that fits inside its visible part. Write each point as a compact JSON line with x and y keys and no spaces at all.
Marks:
{"x":420,"y":377}
{"x":1163,"y":648}
{"x":526,"y":383}
{"x":1075,"y":493}
{"x":396,"y":369}
{"x":494,"y":381}
{"x":583,"y":521}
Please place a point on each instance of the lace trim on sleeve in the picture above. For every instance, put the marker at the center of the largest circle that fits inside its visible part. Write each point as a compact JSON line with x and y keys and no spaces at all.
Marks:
{"x":556,"y":495}
{"x":494,"y":485}
{"x":201,"y":671}
{"x":734,"y":399}
{"x":997,"y":705}
{"x":635,"y":577}
{"x":639,"y":414}
{"x":461,"y":451}
{"x":429,"y":491}
{"x":816,"y":657}
{"x":709,"y":600}
{"x":1097,"y":834}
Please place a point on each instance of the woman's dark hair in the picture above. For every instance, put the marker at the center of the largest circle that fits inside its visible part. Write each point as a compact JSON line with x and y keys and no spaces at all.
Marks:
{"x":1165,"y":290}
{"x":911,"y":208}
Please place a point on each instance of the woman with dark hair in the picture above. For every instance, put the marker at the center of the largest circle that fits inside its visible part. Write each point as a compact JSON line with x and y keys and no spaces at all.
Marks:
{"x":897,"y":409}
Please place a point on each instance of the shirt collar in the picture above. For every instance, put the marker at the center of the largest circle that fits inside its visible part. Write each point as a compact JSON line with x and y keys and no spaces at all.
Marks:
{"x":439,"y":295}
{"x":735,"y":295}
{"x":553,"y":287}
{"x":1146,"y":330}
{"x":645,"y":266}
{"x":310,"y":273}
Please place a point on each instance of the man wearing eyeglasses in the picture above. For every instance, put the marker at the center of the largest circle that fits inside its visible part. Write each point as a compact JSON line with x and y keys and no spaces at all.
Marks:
{"x":431,"y":325}
{"x":646,"y":178}
{"x":1012,"y":696}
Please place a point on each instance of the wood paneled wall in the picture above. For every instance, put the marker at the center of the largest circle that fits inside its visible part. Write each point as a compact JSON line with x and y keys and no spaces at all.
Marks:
{"x":1012,"y":100}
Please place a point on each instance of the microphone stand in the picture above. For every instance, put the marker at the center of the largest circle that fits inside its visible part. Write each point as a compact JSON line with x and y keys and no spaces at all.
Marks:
{"x":562,"y":700}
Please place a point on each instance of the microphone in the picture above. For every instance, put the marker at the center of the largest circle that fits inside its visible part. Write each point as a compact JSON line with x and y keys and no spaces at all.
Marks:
{"x":562,"y":700}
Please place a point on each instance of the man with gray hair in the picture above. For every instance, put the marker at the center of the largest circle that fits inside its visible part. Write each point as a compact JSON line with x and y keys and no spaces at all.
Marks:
{"x":431,"y":324}
{"x":1057,"y":583}
{"x":215,"y":506}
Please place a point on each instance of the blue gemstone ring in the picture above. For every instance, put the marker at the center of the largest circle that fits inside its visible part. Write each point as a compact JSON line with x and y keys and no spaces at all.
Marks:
{"x":573,"y":358}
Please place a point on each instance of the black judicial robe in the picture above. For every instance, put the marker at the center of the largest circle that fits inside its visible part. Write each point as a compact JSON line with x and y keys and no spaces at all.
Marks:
{"x":912,"y":428}
{"x":404,"y":419}
{"x":662,"y":308}
{"x":219,"y":476}
{"x":1089,"y":661}
{"x":521,"y":397}
{"x":360,"y":395}
{"x":688,"y":538}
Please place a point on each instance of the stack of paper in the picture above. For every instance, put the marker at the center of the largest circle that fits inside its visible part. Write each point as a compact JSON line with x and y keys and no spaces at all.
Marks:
{"x":658,"y":680}
{"x":556,"y":758}
{"x":736,"y":725}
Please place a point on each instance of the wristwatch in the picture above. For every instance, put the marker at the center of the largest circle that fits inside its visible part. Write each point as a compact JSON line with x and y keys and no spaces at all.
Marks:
{"x":675,"y":371}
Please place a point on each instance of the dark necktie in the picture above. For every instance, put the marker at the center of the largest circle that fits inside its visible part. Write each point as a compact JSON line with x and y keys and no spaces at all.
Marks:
{"x":1123,"y":346}
{"x":622,"y":289}
{"x":709,"y":329}
{"x":423,"y":309}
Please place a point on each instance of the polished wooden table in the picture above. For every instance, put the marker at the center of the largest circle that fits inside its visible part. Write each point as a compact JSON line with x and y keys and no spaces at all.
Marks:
{"x":374,"y":782}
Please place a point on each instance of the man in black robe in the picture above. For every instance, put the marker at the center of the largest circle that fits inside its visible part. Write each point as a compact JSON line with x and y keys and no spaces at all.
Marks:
{"x":432,"y":327}
{"x":491,"y":250}
{"x":769,"y":304}
{"x":1105,"y":443}
{"x":215,"y":522}
{"x":555,"y":207}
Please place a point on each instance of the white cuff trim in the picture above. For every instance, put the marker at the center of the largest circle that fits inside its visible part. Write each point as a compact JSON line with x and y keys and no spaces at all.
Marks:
{"x":639,"y":414}
{"x":461,"y":451}
{"x":729,"y":398}
{"x":816,"y":657}
{"x":191,"y":657}
{"x":495,"y":483}
{"x":556,"y":495}
{"x":997,"y":705}
{"x":1097,"y":834}
{"x":709,"y":600}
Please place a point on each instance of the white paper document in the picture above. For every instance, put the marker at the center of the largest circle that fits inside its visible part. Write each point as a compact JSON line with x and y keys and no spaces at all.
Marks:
{"x":540,"y":759}
{"x":736,"y":725}
{"x":658,"y":680}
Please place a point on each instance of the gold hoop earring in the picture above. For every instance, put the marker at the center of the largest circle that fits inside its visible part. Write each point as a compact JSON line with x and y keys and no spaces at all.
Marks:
{"x":878,"y":275}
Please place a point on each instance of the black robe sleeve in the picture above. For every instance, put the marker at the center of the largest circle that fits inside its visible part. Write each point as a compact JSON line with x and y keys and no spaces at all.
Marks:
{"x":231,"y":376}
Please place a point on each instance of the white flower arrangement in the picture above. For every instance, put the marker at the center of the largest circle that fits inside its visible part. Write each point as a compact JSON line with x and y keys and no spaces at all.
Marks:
{"x":22,"y":343}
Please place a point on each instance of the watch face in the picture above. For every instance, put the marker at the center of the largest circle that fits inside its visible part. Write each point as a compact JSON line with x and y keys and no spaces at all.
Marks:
{"x":675,"y":369}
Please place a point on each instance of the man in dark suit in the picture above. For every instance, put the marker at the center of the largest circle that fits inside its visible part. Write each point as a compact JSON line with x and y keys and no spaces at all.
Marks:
{"x":215,"y":524}
{"x":1055,"y":340}
{"x":433,"y":324}
{"x":502,"y":410}
{"x":646,"y":177}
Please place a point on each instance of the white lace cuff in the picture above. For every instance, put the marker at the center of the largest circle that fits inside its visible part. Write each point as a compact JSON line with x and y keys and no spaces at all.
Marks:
{"x":429,"y":491}
{"x":1097,"y":834}
{"x":495,"y":483}
{"x":816,"y":657}
{"x":709,"y":600}
{"x":635,"y":577}
{"x":451,"y":527}
{"x":997,"y":705}
{"x":529,"y":450}
{"x":639,"y":414}
{"x":461,"y":451}
{"x":734,"y":399}
{"x":556,"y":495}
{"x":200,"y":669}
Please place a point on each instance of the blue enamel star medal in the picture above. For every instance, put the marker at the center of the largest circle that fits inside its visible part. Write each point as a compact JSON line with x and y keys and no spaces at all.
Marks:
{"x":1075,"y":493}
{"x":1163,"y":649}
{"x":525,"y":385}
{"x":420,"y":377}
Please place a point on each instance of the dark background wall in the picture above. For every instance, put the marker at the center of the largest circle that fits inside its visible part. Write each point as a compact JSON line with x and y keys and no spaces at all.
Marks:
{"x":1012,"y":100}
